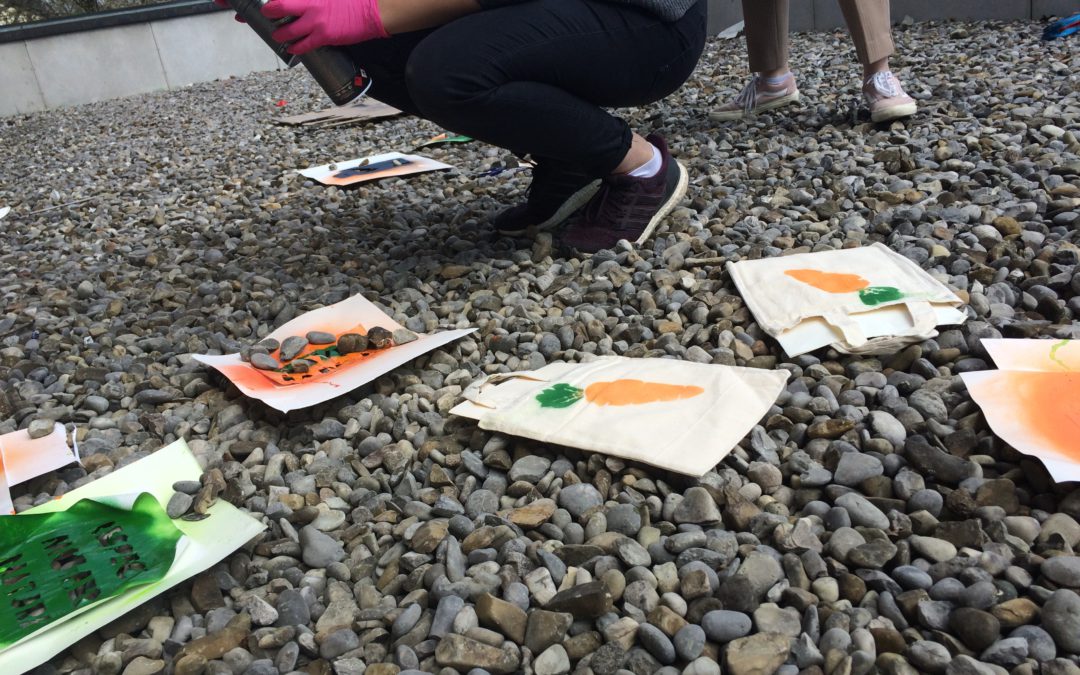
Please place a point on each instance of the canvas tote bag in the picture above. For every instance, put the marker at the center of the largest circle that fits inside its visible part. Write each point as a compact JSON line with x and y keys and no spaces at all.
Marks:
{"x":837,"y":286}
{"x":677,"y":415}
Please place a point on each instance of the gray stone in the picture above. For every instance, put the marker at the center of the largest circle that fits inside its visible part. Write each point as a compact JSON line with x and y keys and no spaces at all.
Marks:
{"x":1061,"y":618}
{"x":658,"y":644}
{"x":698,"y":507}
{"x":1063,"y":570}
{"x":854,"y":467}
{"x":689,"y":642}
{"x":723,"y":625}
{"x":319,"y":549}
{"x":579,"y":498}
{"x":291,"y":346}
{"x":530,"y":468}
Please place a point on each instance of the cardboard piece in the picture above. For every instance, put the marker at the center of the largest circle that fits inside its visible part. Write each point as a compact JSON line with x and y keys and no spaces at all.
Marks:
{"x":867,"y":300}
{"x":355,"y":314}
{"x":23,"y":458}
{"x":1033,"y":401}
{"x":358,"y":112}
{"x":676,"y":415}
{"x":342,"y":173}
{"x":206,"y":543}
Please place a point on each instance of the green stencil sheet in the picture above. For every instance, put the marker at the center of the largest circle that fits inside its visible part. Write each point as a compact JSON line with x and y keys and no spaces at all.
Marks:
{"x":53,"y":564}
{"x":206,"y":542}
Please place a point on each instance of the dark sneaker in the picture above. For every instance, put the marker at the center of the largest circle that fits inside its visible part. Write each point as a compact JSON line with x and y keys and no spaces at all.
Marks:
{"x":554,"y":195}
{"x":628,"y":208}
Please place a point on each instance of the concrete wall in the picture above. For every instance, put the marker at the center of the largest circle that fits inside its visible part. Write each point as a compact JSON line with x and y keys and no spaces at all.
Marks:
{"x":84,"y":67}
{"x":98,"y":65}
{"x":806,"y":15}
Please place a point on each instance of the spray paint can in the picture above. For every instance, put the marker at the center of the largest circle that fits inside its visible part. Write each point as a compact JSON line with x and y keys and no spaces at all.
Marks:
{"x":332,"y":68}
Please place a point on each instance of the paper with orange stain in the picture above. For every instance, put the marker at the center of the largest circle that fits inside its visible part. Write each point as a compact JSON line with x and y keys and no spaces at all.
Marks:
{"x":327,"y":173}
{"x":348,"y":373}
{"x":1033,"y":401}
{"x":23,"y":458}
{"x":676,"y":415}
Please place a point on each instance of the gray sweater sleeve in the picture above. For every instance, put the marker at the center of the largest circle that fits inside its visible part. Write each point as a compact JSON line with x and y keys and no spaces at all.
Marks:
{"x":668,"y":10}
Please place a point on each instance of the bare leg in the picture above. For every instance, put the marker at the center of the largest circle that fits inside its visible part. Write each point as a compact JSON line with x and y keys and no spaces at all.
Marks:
{"x":640,"y":152}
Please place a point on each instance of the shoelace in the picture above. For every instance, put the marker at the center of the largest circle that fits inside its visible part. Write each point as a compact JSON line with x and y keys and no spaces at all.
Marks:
{"x":748,"y":96}
{"x":884,"y":83}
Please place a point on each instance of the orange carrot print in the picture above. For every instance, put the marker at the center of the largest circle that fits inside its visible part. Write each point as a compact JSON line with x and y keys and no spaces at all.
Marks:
{"x":616,"y":393}
{"x":830,"y":282}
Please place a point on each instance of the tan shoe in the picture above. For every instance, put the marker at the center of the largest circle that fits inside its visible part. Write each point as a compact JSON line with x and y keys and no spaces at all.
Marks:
{"x":886,"y":97}
{"x":758,"y":96}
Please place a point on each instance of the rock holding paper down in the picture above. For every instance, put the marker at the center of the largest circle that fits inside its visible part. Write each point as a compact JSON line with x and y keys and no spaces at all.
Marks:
{"x":676,"y":415}
{"x":868,"y":300}
{"x":341,"y":347}
{"x":1033,"y":400}
{"x":204,"y":543}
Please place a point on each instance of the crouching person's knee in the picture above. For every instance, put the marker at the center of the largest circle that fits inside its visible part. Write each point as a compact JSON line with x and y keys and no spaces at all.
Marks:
{"x":440,"y":85}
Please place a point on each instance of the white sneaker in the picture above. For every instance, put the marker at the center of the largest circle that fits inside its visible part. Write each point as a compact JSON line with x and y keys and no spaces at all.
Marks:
{"x":758,"y":96}
{"x":886,"y":97}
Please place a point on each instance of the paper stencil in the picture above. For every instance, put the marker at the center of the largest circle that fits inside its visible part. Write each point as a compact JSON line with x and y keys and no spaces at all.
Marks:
{"x":52,"y":564}
{"x":205,"y":543}
{"x":389,"y":164}
{"x":345,"y":373}
{"x":1033,"y":401}
{"x":676,"y":415}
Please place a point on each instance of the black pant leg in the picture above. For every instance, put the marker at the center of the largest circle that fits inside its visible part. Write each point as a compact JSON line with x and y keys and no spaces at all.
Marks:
{"x":532,"y":77}
{"x":385,"y":61}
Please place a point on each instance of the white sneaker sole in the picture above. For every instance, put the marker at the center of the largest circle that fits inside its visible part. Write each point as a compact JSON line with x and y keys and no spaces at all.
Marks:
{"x":728,"y":115}
{"x":894,"y":112}
{"x":572,"y":204}
{"x":666,"y":207}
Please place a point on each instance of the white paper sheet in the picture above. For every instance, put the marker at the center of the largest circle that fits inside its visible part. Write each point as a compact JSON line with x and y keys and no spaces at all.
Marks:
{"x":336,"y":319}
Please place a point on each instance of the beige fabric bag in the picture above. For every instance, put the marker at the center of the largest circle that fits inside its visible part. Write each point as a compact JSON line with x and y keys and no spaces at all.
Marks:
{"x":677,"y":415}
{"x":868,"y":300}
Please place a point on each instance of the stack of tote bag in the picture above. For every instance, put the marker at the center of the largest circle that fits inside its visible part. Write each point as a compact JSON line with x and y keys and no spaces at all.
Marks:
{"x":867,"y":300}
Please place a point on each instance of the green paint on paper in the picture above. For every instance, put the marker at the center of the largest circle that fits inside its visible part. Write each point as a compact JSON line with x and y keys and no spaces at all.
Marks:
{"x":876,"y":295}
{"x":55,"y":563}
{"x":561,"y":395}
{"x":1053,"y":354}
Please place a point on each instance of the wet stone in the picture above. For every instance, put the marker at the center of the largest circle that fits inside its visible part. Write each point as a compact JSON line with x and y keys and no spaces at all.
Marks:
{"x":380,"y":338}
{"x":350,"y":343}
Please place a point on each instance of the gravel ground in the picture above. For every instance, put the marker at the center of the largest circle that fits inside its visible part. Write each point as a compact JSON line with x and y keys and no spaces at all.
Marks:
{"x":871,"y":522}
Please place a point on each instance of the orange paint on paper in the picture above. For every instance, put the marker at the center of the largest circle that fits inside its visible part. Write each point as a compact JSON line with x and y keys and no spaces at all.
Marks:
{"x":323,"y":368}
{"x":320,"y":371}
{"x":1042,"y":401}
{"x":638,"y":392}
{"x":830,"y":282}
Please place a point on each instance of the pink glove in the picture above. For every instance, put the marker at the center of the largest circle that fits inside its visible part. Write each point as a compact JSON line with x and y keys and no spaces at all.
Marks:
{"x":320,"y":23}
